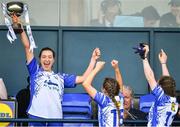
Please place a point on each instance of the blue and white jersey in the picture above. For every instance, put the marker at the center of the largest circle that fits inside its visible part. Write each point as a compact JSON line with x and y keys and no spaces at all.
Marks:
{"x":163,"y":109}
{"x":107,"y":112}
{"x":47,"y":89}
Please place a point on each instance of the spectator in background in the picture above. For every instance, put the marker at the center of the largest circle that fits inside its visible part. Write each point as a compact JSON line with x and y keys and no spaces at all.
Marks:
{"x":151,"y":17}
{"x":3,"y":92}
{"x":23,"y":99}
{"x":109,"y":10}
{"x":172,"y":18}
{"x":131,"y":113}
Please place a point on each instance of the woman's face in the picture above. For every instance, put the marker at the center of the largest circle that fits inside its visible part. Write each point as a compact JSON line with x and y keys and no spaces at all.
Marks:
{"x":47,"y":60}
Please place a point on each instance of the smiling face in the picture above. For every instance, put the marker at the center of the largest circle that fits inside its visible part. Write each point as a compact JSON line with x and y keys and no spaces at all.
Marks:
{"x":47,"y":60}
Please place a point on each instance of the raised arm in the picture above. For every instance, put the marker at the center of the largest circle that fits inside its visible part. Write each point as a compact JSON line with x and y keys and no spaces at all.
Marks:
{"x":163,"y":61}
{"x":87,"y":84}
{"x":25,"y":40}
{"x":118,"y":76}
{"x":95,"y":55}
{"x":149,"y":74}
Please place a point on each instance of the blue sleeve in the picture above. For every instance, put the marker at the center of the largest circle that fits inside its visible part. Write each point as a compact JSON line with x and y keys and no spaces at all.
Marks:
{"x":101,"y":99}
{"x":33,"y":66}
{"x":69,"y":81}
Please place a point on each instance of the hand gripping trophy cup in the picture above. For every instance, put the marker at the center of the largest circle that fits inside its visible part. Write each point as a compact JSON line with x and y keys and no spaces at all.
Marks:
{"x":18,"y":9}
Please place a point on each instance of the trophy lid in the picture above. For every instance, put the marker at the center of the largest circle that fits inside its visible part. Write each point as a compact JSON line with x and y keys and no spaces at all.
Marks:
{"x":15,"y":7}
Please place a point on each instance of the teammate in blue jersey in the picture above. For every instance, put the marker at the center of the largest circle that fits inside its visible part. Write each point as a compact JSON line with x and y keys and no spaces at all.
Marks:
{"x":47,"y":87}
{"x":165,"y":106}
{"x":110,"y":104}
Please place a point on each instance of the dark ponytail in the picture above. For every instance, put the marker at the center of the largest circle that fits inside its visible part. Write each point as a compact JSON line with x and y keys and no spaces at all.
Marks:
{"x":112,"y":88}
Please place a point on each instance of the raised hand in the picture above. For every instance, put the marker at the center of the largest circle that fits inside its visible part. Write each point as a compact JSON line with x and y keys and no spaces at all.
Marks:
{"x":17,"y":25}
{"x":146,"y":49}
{"x":114,"y":64}
{"x":162,"y":57}
{"x":96,"y":53}
{"x":163,"y":60}
{"x":139,"y":50}
{"x":15,"y":19}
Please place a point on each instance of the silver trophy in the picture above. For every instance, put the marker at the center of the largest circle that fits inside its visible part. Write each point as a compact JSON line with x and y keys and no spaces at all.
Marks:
{"x":15,"y":8}
{"x":18,"y":9}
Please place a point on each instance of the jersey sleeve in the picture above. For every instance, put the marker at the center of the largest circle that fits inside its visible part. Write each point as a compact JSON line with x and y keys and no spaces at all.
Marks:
{"x":33,"y":66}
{"x":101,"y":99}
{"x":69,"y":80}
